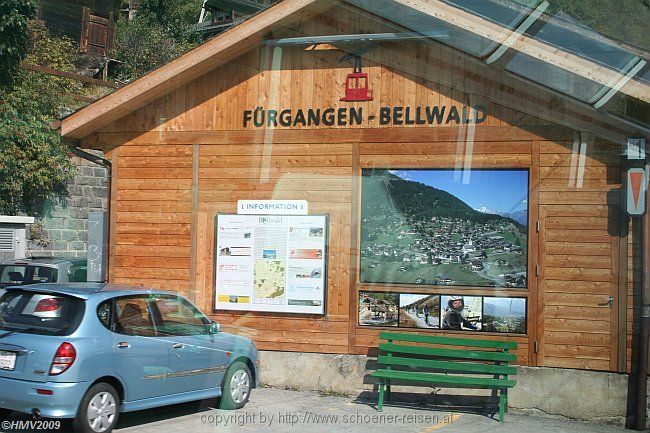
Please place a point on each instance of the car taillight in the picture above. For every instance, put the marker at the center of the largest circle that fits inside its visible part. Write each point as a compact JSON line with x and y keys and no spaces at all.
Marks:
{"x":49,"y":304}
{"x":63,"y":358}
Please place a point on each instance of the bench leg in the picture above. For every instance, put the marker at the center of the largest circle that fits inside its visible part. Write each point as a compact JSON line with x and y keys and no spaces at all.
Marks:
{"x":388,"y":394}
{"x":505,"y":391}
{"x":502,"y":404}
{"x":380,"y":402}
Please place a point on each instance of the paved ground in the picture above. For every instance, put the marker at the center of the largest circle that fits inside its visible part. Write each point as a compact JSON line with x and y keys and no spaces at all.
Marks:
{"x":278,"y":411}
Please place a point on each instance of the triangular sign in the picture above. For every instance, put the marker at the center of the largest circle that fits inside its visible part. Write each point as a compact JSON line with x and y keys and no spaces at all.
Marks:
{"x":636,"y":191}
{"x":636,"y":178}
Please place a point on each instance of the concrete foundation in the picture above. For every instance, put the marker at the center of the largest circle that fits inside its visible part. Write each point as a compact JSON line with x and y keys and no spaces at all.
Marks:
{"x":576,"y":394}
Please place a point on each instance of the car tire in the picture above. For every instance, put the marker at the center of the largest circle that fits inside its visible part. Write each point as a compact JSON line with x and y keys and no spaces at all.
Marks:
{"x":103,"y":401}
{"x":236,"y":386}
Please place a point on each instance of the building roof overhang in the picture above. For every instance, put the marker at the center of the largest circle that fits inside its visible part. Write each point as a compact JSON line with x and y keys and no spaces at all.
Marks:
{"x":253,"y":32}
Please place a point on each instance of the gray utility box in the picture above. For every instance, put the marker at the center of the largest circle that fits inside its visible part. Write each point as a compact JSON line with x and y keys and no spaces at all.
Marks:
{"x":13,"y":231}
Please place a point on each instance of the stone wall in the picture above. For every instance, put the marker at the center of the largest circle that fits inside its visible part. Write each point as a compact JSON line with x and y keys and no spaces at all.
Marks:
{"x":64,"y":231}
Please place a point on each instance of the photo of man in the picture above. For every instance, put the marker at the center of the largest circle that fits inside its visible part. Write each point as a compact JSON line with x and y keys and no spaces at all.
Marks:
{"x":458,"y":316}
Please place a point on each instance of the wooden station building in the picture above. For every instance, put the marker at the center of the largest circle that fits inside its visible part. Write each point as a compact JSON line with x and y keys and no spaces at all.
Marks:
{"x":305,"y":98}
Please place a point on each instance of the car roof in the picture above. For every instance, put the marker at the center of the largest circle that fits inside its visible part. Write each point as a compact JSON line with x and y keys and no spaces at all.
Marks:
{"x":43,"y":260}
{"x":87,"y":290}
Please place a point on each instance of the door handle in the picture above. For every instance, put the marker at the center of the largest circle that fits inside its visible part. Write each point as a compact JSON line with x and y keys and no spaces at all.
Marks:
{"x":178,"y":346}
{"x":610,"y":302}
{"x":123,"y":345}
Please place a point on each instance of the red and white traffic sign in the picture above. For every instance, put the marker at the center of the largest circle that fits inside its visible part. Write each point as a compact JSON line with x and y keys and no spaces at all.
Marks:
{"x":637,"y":185}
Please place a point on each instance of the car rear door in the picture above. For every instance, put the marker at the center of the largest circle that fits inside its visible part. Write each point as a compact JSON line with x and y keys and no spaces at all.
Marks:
{"x":139,"y":357}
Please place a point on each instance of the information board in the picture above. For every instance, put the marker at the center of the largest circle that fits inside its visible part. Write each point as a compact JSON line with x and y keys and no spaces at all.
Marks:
{"x":271,"y":263}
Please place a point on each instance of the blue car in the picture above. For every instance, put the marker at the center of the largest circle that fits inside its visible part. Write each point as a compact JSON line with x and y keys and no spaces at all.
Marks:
{"x":90,"y":351}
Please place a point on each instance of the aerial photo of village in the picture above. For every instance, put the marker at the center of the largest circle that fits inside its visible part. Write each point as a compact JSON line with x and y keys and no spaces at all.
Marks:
{"x":428,"y":227}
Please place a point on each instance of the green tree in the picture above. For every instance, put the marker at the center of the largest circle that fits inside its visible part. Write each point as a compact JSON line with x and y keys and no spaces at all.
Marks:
{"x":176,"y":17}
{"x":143,"y":45}
{"x":34,"y":164}
{"x":161,"y":31}
{"x":14,"y":35}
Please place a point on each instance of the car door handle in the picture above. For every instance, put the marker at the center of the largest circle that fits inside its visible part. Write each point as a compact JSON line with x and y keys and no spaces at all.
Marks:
{"x":178,"y":345}
{"x":123,"y":345}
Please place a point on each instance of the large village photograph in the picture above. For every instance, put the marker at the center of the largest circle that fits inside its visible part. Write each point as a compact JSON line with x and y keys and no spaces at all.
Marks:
{"x":445,"y":227}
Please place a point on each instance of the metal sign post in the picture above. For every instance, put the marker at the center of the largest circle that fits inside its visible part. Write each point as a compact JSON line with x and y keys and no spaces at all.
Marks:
{"x":636,"y":206}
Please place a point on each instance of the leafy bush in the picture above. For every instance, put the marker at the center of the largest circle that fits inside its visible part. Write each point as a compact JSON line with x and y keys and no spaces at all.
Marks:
{"x":14,"y":35}
{"x":34,"y":164}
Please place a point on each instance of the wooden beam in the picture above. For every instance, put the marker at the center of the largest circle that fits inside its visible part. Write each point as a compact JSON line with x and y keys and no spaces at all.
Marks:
{"x":528,"y":45}
{"x":70,"y":75}
{"x":108,"y":140}
{"x":187,"y":67}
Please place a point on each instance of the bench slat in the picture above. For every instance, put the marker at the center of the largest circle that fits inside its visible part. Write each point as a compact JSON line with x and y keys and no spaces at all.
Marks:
{"x":448,"y":353}
{"x":446,"y":379}
{"x":449,"y":341}
{"x":447,"y":365}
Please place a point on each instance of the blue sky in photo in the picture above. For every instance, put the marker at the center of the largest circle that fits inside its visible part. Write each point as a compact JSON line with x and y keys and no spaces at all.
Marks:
{"x":504,"y":306}
{"x":494,"y":191}
{"x":407,"y":299}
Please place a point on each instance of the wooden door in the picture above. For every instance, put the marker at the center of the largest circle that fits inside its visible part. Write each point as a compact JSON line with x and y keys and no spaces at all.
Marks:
{"x":578,"y":259}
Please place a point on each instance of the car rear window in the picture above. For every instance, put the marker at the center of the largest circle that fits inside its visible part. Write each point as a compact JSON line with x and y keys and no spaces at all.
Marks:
{"x":20,"y":274}
{"x":39,"y":313}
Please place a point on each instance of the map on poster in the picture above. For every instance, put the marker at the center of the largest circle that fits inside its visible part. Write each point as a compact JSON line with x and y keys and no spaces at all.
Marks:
{"x":271,"y":263}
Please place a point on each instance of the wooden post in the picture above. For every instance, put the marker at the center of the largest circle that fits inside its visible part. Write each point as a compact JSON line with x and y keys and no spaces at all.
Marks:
{"x":83,"y":39}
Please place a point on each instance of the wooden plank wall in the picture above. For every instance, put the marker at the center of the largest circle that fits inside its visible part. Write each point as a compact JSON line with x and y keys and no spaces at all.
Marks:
{"x":317,"y":172}
{"x":151,"y":208}
{"x":186,"y":157}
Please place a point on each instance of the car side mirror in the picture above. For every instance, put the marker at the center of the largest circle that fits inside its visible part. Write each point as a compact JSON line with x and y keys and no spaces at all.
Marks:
{"x":214,"y":327}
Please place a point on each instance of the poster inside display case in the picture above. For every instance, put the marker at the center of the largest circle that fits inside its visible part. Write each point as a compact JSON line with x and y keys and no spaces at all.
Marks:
{"x":438,"y":227}
{"x":273,"y":263}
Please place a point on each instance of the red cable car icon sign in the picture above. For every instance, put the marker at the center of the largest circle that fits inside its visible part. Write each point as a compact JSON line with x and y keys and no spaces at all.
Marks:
{"x":356,"y":85}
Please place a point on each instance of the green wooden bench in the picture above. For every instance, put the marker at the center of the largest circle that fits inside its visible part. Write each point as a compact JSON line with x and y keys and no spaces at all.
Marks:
{"x":460,"y":363}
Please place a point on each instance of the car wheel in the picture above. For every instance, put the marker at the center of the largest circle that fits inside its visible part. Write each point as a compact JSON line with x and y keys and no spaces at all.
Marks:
{"x":98,"y":411}
{"x":236,"y":387}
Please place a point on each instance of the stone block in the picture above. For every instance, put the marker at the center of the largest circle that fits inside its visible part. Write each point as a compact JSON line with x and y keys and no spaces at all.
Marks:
{"x":54,"y":223}
{"x":59,"y":246}
{"x":101,"y":192}
{"x":74,"y":224}
{"x":77,"y":246}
